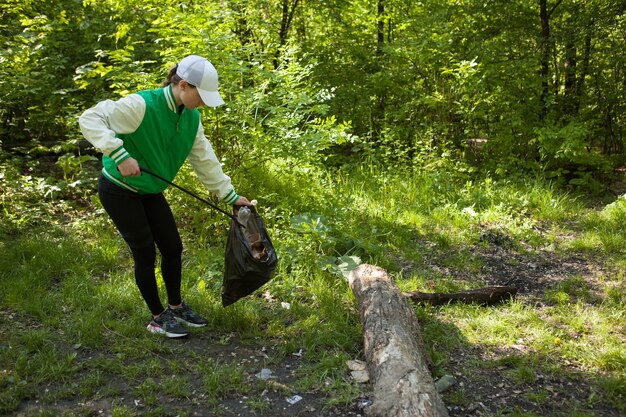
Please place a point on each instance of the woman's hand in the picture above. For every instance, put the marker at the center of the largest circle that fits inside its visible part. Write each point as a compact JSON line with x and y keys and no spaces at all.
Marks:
{"x":243,"y":201}
{"x":129,"y":167}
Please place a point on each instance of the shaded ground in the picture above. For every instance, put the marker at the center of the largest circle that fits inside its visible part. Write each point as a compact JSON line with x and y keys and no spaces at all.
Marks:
{"x":486,"y":391}
{"x":270,"y":395}
{"x":489,"y":390}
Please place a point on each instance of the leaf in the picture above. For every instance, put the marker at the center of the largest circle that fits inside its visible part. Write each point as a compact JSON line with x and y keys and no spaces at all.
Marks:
{"x":309,"y":223}
{"x":346,"y":264}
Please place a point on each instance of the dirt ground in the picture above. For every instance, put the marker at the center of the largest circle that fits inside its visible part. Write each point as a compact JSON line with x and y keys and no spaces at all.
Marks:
{"x":491,"y":392}
{"x":486,"y":392}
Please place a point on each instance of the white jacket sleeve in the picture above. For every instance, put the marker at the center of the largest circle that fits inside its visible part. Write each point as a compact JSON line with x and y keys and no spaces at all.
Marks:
{"x":101,"y":123}
{"x":209,"y":170}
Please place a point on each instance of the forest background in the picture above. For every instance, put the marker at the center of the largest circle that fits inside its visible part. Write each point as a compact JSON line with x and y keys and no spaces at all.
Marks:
{"x":538,"y":86}
{"x":362,"y":127}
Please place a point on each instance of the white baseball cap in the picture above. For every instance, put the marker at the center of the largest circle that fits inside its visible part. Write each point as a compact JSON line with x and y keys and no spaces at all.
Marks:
{"x":202,"y":74}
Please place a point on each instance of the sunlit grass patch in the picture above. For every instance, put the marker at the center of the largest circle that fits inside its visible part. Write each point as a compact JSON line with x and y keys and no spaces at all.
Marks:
{"x":33,"y":269}
{"x":328,"y":373}
{"x":429,"y":231}
{"x":220,"y":378}
{"x":604,"y":231}
{"x":570,"y":290}
{"x":614,"y":289}
{"x":580,"y":336}
{"x":493,"y":326}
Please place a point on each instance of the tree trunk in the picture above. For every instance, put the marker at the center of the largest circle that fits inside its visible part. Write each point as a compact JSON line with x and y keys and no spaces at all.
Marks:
{"x":378,"y":112}
{"x":380,"y":27}
{"x":285,"y":22}
{"x":546,"y":49}
{"x":285,"y":25}
{"x":486,"y":296}
{"x":571,"y":61}
{"x":585,"y":66}
{"x":397,"y":363}
{"x":545,"y":55}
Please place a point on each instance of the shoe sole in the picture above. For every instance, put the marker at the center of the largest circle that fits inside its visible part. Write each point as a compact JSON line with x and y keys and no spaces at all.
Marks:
{"x":158,"y":330}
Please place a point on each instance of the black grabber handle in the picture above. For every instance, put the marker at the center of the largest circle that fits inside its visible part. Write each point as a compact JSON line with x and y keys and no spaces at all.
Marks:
{"x":232,"y":216}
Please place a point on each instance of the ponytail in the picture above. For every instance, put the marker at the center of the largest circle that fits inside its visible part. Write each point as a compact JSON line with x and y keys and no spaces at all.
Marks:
{"x":172,"y":77}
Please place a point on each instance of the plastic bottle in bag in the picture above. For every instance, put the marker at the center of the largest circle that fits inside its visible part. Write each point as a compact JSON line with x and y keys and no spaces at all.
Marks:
{"x":251,"y":233}
{"x":243,"y":215}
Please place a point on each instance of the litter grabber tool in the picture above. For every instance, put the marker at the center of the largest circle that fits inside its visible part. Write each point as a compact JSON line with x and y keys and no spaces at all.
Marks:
{"x":204,"y":200}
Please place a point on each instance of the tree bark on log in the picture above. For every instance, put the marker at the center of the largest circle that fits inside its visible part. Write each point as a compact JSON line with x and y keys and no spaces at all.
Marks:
{"x":485,"y":296}
{"x":396,"y":359}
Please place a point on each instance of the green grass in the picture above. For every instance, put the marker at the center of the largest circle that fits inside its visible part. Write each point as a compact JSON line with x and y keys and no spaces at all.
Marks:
{"x":72,"y":316}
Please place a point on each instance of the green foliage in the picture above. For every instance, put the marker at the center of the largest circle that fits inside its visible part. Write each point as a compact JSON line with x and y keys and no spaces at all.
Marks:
{"x":410,"y":147}
{"x":68,"y":276}
{"x":607,"y":226}
{"x":27,"y":199}
{"x":41,"y":44}
{"x":566,"y":149}
{"x":283,"y":115}
{"x":442,"y":75}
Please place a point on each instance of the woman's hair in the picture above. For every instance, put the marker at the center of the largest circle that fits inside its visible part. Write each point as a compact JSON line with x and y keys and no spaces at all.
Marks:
{"x":172,"y":77}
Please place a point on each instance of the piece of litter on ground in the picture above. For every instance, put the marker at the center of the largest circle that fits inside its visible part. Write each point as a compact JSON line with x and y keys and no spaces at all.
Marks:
{"x":356,"y":365}
{"x":445,"y":382}
{"x":278,"y":386}
{"x":264,"y":374}
{"x":364,"y":403}
{"x":298,"y":353}
{"x":285,"y":305}
{"x":293,"y":400}
{"x":360,"y":376}
{"x":469,"y":211}
{"x":358,"y":371}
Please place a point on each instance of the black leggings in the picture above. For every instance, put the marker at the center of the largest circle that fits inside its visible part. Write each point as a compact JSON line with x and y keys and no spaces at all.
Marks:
{"x":144,"y":220}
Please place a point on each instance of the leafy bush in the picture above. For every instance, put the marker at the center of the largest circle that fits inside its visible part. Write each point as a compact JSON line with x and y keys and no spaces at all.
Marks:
{"x":565,"y":153}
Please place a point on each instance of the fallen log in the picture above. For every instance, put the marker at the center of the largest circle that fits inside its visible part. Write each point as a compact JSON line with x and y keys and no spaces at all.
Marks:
{"x":484,"y":296}
{"x":396,"y":359}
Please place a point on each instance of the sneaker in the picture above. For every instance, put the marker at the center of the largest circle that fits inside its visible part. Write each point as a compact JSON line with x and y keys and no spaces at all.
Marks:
{"x":187,"y":316}
{"x":166,"y":324}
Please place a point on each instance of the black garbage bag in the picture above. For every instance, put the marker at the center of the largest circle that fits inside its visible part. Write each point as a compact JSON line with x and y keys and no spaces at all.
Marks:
{"x":250,"y":258}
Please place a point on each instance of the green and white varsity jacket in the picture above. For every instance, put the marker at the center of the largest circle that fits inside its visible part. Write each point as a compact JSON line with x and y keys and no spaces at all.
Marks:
{"x":149,"y":127}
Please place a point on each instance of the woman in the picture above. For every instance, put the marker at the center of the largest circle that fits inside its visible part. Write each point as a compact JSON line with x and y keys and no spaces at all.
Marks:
{"x":158,"y":130}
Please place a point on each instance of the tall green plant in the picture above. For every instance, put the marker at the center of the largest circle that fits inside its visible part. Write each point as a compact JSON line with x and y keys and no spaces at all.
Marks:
{"x":42,"y":41}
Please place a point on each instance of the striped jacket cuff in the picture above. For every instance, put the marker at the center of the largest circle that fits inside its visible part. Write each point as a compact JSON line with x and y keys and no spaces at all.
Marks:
{"x":231,"y":197}
{"x":119,"y":155}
